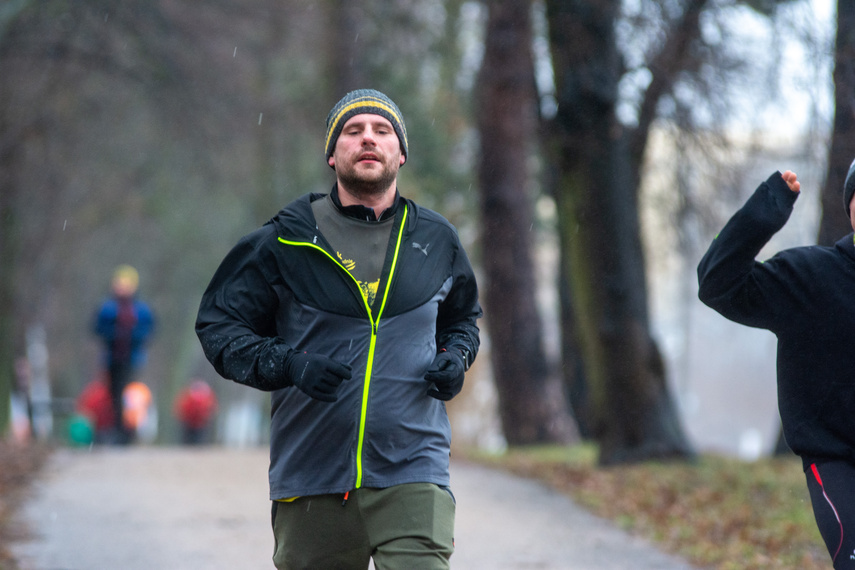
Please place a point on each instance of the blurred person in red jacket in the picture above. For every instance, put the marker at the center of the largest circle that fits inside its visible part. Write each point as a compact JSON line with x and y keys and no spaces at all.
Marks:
{"x":94,"y":402}
{"x":195,"y":407}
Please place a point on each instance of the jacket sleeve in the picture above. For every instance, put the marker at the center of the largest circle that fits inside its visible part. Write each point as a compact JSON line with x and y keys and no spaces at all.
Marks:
{"x":103,"y":325}
{"x":458,"y":314}
{"x":235,"y":323}
{"x":730,"y":279}
{"x":145,"y":323}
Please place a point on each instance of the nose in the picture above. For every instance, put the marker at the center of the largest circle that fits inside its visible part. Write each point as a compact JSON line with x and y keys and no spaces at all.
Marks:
{"x":368,"y":136}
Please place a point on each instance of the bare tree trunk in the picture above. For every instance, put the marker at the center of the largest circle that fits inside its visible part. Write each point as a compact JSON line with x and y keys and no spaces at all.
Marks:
{"x":506,"y":119}
{"x":8,"y":264}
{"x":269,"y":123}
{"x":834,"y":224}
{"x":8,"y":255}
{"x":572,"y":364}
{"x":632,"y":412}
{"x":348,"y":72}
{"x":14,"y":134}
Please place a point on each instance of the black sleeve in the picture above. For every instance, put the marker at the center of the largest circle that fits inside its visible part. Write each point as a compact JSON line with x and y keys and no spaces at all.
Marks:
{"x":458,"y":314}
{"x":730,"y":279}
{"x":235,"y":323}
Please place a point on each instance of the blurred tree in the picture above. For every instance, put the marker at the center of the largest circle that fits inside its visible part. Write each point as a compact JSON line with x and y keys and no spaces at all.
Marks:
{"x":633,"y":416}
{"x":834,"y":223}
{"x":506,"y":116}
{"x":347,"y":22}
{"x":599,"y":159}
{"x":8,"y":265}
{"x":15,"y":131}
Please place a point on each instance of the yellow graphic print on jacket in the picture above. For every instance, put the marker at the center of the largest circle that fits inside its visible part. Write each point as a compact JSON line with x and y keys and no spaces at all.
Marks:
{"x":369,"y":290}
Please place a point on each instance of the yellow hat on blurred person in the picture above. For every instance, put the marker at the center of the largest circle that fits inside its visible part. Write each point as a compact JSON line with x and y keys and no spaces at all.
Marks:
{"x":126,"y":279}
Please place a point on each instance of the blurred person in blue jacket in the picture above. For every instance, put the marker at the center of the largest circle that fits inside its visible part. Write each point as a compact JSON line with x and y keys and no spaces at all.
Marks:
{"x":124,"y":323}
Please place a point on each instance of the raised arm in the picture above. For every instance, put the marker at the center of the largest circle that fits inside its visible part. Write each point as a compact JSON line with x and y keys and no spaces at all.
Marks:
{"x":730,"y":279}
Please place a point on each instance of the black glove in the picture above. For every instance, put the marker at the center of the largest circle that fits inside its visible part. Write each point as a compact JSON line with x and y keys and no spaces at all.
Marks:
{"x":446,"y":373}
{"x":316,"y":375}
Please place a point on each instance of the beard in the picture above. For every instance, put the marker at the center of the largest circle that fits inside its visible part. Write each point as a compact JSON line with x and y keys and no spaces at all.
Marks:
{"x":370,"y":184}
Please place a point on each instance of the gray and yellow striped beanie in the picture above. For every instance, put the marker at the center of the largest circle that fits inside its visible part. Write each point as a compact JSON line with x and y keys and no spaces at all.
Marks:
{"x":358,"y":102}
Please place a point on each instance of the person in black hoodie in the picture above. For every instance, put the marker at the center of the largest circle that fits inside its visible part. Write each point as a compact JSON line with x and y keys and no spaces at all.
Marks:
{"x":804,"y":295}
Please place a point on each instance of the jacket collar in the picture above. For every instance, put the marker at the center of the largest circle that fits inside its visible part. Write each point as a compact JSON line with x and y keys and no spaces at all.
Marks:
{"x":364,"y":213}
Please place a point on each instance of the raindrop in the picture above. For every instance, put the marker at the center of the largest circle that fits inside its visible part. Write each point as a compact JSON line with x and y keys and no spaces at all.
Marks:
{"x":259,"y":117}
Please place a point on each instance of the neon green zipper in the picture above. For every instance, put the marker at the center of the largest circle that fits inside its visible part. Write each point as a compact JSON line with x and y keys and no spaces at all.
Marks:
{"x":363,"y":414}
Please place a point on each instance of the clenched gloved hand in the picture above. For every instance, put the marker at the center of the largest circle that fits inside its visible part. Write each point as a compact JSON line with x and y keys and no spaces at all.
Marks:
{"x":316,"y":375}
{"x":446,"y":373}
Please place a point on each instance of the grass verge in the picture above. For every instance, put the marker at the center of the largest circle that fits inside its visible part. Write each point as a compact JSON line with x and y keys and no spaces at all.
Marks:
{"x":718,"y":512}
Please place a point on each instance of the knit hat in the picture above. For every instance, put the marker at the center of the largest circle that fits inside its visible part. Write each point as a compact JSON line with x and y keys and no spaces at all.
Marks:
{"x":125,"y":280}
{"x":358,"y":102}
{"x":849,"y":187}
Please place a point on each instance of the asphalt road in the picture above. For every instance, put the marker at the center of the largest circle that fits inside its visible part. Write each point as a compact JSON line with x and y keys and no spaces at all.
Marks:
{"x":153,"y":508}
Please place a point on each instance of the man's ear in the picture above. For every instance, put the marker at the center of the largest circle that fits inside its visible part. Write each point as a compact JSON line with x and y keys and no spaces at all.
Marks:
{"x":331,"y":161}
{"x":403,"y":160}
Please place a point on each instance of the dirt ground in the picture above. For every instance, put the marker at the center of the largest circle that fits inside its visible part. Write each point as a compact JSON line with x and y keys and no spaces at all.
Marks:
{"x":182,"y":508}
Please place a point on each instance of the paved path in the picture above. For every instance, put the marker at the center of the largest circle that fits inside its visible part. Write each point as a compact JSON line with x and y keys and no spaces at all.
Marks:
{"x":185,"y":509}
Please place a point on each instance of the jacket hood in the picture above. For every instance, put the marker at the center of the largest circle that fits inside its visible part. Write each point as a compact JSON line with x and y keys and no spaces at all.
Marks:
{"x":846,"y":244}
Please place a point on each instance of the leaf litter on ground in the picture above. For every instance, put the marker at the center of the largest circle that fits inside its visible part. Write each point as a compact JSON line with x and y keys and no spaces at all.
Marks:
{"x":19,"y":467}
{"x":716,"y":512}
